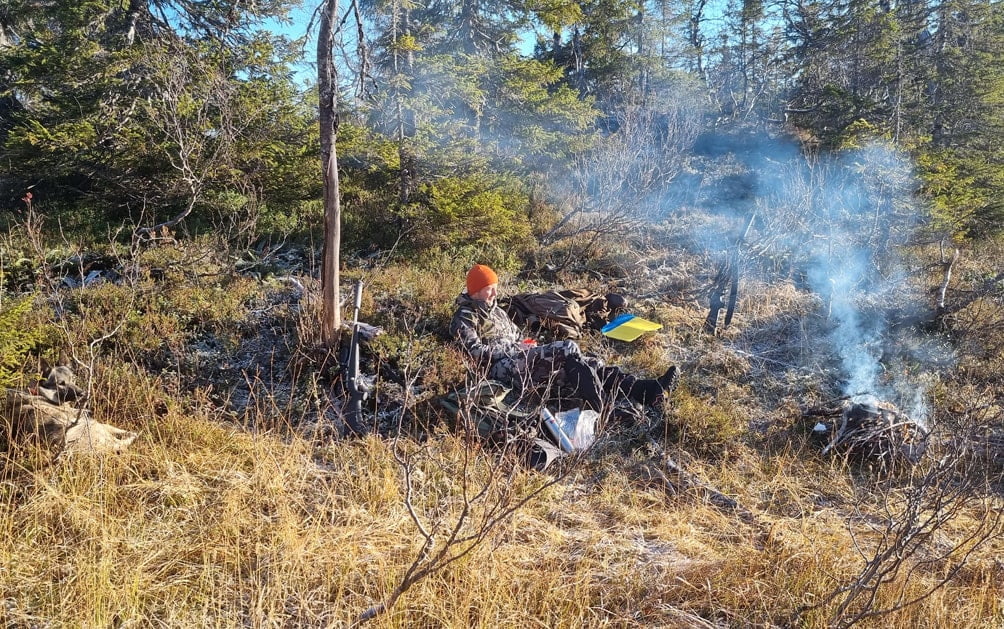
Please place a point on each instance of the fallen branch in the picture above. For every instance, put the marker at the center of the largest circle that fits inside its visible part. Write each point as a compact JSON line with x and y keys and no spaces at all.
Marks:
{"x":690,"y":482}
{"x":161,"y":228}
{"x":947,"y":266}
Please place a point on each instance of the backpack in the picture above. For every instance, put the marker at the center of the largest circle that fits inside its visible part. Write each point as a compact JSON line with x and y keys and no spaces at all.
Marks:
{"x":599,"y":310}
{"x":562,"y":314}
{"x":547,"y":312}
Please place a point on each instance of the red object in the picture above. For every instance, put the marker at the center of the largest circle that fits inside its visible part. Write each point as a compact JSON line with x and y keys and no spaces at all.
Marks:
{"x":532,"y":342}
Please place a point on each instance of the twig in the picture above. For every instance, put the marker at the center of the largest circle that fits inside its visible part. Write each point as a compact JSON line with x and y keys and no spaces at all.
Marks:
{"x":947,"y":265}
{"x":769,"y":360}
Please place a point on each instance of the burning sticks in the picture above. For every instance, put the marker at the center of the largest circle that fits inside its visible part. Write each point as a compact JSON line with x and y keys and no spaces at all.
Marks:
{"x":868,"y":428}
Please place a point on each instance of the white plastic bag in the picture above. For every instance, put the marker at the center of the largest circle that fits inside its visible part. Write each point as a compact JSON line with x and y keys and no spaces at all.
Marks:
{"x":579,"y":425}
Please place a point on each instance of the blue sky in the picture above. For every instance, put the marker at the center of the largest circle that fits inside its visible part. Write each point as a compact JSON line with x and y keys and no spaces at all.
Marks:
{"x":295,"y":28}
{"x":300,"y":16}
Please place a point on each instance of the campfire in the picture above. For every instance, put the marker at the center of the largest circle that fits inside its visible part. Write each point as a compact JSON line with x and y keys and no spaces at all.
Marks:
{"x":869,"y":428}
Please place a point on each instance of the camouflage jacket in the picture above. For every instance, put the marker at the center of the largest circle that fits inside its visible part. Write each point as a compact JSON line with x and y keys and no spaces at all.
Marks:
{"x":485,"y":331}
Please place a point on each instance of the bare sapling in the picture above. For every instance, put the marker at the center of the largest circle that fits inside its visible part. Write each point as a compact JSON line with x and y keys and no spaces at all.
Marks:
{"x":933,"y":520}
{"x":488,"y":488}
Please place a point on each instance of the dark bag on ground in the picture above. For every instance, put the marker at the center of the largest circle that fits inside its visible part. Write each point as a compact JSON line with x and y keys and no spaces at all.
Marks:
{"x":563,"y":314}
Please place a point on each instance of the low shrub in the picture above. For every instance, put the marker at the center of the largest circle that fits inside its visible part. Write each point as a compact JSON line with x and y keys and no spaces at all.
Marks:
{"x":16,"y":339}
{"x":705,"y":427}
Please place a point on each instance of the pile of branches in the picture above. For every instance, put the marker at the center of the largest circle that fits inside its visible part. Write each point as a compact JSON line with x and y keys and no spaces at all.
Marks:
{"x":866,"y":428}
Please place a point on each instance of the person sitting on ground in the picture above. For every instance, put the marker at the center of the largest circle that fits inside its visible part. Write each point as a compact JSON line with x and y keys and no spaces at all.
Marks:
{"x":488,"y":335}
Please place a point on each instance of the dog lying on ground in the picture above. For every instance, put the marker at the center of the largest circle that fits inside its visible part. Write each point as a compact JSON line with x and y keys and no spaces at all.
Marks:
{"x":45,"y":413}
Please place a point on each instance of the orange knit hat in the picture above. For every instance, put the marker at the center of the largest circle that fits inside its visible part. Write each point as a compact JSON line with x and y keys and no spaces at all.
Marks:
{"x":480,"y":276}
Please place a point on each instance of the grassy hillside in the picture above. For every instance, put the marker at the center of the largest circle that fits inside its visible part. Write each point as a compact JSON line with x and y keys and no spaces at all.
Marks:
{"x":237,"y":506}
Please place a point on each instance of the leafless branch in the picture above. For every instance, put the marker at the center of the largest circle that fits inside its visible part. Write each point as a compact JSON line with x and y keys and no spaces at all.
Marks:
{"x":917,"y":513}
{"x":947,"y":267}
{"x":485,"y":497}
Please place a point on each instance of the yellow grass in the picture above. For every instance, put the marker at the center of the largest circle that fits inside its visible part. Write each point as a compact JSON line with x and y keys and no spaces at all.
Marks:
{"x":207,"y":523}
{"x":202,"y":524}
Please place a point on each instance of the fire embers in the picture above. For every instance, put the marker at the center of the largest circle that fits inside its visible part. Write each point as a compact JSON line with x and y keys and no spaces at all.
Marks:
{"x":867,"y":428}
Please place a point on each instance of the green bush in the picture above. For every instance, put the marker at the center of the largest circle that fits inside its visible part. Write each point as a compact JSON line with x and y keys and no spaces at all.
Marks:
{"x":474,"y":212}
{"x":951,"y":186}
{"x":16,"y":339}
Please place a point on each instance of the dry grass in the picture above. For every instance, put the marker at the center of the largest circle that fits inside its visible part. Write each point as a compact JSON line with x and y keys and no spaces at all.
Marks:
{"x":205,"y":522}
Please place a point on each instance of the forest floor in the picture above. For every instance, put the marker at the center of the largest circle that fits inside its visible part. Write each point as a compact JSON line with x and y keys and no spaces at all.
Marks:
{"x":241,"y":505}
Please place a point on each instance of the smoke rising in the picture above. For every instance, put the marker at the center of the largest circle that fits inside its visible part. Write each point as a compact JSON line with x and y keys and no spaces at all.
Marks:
{"x":834,"y":225}
{"x":837,"y":227}
{"x":867,"y":214}
{"x":855,"y":336}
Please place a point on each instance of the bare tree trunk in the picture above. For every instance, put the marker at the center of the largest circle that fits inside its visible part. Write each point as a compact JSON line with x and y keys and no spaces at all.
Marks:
{"x":135,"y":10}
{"x":696,"y":38}
{"x":404,"y":69}
{"x":327,"y":79}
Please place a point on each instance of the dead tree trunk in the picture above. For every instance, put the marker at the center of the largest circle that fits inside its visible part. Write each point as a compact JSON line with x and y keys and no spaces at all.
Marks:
{"x":327,"y":88}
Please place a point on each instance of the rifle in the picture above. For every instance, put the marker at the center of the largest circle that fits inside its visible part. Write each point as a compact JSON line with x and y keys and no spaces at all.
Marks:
{"x":353,"y":381}
{"x":727,"y":279}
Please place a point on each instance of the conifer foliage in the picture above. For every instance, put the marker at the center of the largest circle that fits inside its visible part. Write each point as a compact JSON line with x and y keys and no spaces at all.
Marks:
{"x":153,"y":109}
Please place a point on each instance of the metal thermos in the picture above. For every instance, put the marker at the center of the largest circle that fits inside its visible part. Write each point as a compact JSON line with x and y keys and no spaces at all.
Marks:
{"x":553,"y":427}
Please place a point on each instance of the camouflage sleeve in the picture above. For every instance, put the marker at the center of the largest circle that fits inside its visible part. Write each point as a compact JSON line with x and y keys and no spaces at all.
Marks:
{"x":464,"y":329}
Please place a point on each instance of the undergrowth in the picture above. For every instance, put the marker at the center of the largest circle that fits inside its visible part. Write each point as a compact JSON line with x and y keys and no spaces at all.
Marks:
{"x":228,"y":515}
{"x":16,"y":339}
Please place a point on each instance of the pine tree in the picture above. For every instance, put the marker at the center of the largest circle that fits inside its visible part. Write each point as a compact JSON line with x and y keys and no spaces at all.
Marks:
{"x":963,"y":164}
{"x":454,"y":93}
{"x":118,"y":107}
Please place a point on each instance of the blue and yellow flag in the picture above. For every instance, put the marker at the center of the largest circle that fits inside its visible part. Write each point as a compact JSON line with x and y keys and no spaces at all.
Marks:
{"x":628,"y":327}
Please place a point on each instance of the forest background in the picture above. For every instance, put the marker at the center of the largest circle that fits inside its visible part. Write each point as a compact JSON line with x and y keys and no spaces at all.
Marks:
{"x":847,"y":154}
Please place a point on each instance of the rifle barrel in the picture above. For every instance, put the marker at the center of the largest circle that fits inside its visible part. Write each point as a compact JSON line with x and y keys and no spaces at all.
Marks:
{"x":353,"y":384}
{"x":359,"y":303}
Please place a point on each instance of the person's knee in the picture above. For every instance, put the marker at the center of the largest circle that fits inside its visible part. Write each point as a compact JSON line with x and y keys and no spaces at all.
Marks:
{"x":569,"y":348}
